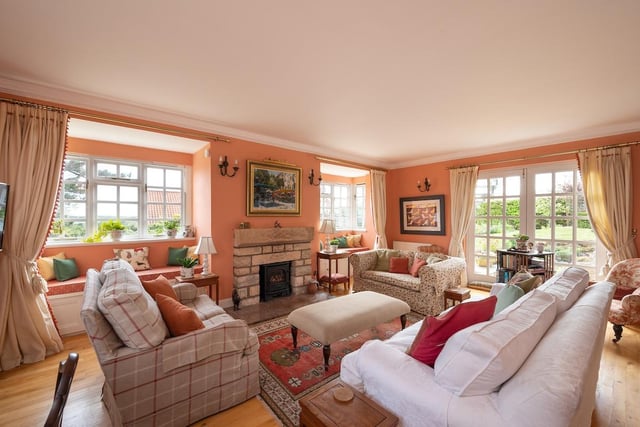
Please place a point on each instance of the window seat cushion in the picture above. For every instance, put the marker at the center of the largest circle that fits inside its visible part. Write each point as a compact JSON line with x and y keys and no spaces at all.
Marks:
{"x":77,"y":284}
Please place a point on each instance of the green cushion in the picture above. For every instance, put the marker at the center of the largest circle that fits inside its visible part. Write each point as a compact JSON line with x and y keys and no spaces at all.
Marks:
{"x":528,"y":284}
{"x":65,"y":269}
{"x":384,"y":257}
{"x":507,"y":296}
{"x":175,"y":254}
{"x":342,"y":242}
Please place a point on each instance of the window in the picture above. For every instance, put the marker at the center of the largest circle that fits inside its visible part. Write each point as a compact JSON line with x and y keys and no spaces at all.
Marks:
{"x":344,"y":203}
{"x":545,"y":203}
{"x":140,"y":195}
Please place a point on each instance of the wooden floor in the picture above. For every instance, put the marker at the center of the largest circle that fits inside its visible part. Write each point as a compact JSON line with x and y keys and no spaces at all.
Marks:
{"x":26,"y":392}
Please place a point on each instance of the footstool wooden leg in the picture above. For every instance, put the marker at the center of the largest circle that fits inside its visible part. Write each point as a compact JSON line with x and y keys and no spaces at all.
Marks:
{"x":326,"y":352}
{"x":294,"y":335}
{"x":403,"y":321}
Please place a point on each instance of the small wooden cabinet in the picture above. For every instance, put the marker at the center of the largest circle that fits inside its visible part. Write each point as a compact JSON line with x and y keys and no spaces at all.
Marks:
{"x":510,"y":262}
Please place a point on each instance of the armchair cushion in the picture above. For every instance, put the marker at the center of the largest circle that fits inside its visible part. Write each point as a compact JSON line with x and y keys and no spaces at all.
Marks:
{"x":159,"y":285}
{"x":179,"y":318}
{"x":130,"y":310}
{"x":399,"y":265}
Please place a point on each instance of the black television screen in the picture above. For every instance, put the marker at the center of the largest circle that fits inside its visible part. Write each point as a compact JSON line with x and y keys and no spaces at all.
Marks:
{"x":4,"y":198}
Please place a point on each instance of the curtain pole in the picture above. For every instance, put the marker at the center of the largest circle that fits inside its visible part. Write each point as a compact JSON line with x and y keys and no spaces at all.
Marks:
{"x":542,"y":156}
{"x":123,"y":122}
{"x":349,"y":164}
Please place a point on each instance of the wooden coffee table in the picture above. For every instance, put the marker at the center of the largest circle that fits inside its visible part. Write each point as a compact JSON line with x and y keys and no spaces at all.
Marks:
{"x":320,"y":408}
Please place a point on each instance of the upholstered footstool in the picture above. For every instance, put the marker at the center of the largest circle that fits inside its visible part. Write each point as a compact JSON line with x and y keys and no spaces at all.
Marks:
{"x":337,"y":318}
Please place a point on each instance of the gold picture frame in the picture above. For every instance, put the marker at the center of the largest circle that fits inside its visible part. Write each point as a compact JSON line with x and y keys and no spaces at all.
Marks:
{"x":273,"y":189}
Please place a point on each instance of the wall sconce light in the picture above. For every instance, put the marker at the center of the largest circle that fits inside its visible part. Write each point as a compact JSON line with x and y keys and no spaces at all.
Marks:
{"x":427,"y":185}
{"x":223,"y":164}
{"x":312,"y":177}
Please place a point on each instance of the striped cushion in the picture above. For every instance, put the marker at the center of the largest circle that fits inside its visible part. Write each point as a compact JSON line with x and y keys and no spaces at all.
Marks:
{"x":130,"y":310}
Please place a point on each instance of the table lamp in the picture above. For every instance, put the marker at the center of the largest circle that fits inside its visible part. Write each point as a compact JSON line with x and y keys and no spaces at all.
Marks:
{"x":328,"y":227}
{"x":205,"y":247}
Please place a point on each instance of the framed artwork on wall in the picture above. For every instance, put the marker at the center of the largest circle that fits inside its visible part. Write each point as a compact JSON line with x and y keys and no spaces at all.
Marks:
{"x":422,"y":215}
{"x":273,"y":189}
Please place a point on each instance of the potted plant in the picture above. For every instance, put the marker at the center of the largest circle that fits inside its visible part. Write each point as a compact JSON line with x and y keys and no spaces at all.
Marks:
{"x":333,"y":246}
{"x":171,"y":225}
{"x":521,"y":242}
{"x":114,"y":227}
{"x":186,"y":266}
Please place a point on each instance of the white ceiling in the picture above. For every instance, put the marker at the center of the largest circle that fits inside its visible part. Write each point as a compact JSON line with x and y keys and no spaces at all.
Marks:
{"x":389,"y":84}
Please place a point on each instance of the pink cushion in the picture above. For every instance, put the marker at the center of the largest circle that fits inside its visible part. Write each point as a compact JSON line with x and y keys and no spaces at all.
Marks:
{"x":435,"y":331}
{"x":417,"y":263}
{"x":399,"y":265}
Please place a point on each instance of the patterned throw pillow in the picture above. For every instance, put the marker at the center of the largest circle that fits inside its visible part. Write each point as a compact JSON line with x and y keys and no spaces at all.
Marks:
{"x":136,"y":257}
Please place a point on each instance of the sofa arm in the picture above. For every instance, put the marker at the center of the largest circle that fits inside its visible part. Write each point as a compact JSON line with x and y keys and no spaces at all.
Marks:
{"x":222,"y":334}
{"x":631,"y":303}
{"x":442,"y":275}
{"x":363,"y":261}
{"x":186,"y":292}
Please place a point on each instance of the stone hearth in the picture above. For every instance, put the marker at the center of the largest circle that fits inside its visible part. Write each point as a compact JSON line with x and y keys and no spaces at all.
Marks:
{"x":253,"y":247}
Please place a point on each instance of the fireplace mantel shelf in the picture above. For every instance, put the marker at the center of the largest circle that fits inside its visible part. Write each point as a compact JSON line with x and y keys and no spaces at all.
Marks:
{"x":248,"y":237}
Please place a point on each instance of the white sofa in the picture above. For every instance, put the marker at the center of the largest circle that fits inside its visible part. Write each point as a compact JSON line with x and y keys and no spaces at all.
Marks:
{"x":533,"y":364}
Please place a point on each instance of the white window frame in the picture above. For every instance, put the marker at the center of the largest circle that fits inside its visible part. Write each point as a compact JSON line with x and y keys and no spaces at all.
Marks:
{"x":91,"y":196}
{"x":527,"y":214}
{"x":352,"y":200}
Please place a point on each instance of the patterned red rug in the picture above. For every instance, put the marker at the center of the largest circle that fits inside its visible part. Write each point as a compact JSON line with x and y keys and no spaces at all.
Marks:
{"x":286,"y":375}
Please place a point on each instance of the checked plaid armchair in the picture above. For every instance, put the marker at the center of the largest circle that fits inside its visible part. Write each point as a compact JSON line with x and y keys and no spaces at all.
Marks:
{"x":157,"y":380}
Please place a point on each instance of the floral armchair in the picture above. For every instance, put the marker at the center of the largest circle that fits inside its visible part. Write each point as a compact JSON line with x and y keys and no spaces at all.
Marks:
{"x":625,"y":307}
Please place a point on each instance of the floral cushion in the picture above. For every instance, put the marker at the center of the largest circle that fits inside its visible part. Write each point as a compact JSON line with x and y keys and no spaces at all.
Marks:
{"x":136,"y":257}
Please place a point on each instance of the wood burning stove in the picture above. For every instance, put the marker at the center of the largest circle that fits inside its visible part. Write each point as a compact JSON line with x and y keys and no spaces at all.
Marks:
{"x":275,"y":280}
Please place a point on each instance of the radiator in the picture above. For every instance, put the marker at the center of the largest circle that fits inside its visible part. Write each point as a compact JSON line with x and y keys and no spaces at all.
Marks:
{"x":408,"y":246}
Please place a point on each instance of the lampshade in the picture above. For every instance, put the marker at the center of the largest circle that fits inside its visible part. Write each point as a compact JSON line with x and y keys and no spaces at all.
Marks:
{"x":205,"y":246}
{"x":328,"y":226}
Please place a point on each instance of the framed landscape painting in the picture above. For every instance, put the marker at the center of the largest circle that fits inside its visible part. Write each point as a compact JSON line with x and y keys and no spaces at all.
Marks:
{"x":273,"y":189}
{"x":422,"y":215}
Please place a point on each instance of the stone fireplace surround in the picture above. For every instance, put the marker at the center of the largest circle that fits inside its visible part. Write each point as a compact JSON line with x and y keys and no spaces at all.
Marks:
{"x":253,"y":247}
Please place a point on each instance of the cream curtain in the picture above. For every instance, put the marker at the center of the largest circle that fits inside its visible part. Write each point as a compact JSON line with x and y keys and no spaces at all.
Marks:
{"x":32,"y":146}
{"x":608,"y":190}
{"x":463,"y":186}
{"x":379,"y":206}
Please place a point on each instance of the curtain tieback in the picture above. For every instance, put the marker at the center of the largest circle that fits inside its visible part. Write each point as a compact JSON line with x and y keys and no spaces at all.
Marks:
{"x":38,"y":284}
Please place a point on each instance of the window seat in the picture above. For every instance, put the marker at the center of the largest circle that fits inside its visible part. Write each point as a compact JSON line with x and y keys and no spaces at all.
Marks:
{"x":77,"y":284}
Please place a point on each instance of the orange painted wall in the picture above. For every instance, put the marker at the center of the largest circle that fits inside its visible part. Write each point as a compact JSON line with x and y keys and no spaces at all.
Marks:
{"x":402,"y":182}
{"x":228,"y":200}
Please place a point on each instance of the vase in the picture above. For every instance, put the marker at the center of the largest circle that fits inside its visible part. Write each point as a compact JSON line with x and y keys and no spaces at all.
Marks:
{"x":172,"y":233}
{"x":522,"y":245}
{"x":116,"y":235}
{"x":186,"y":272}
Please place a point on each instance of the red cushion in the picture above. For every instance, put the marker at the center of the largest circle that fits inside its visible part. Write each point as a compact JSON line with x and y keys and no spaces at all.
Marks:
{"x":159,"y":285}
{"x":435,"y":331}
{"x":399,"y":265}
{"x":417,"y":263}
{"x":179,"y":318}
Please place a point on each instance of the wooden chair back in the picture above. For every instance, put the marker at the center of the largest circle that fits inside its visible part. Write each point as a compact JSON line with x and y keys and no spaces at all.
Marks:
{"x":66,"y":370}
